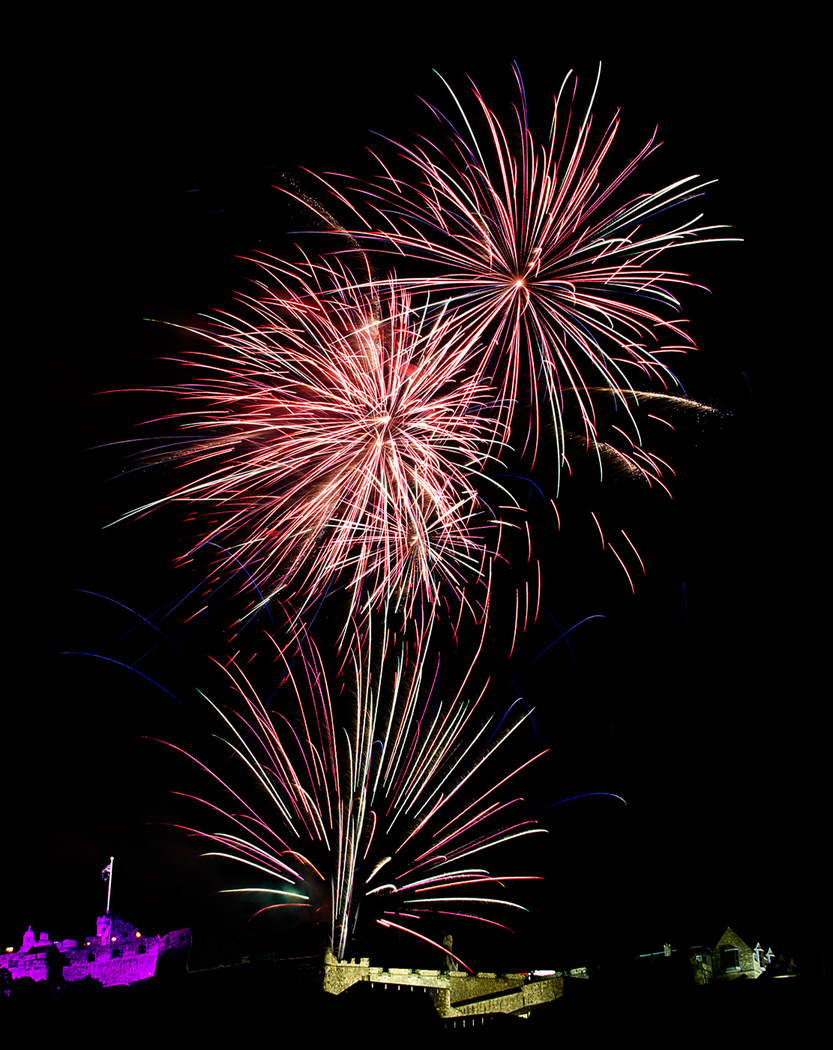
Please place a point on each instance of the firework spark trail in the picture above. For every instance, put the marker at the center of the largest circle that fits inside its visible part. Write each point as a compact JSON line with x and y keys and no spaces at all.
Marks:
{"x":563,"y":294}
{"x":379,"y":782}
{"x":339,"y":440}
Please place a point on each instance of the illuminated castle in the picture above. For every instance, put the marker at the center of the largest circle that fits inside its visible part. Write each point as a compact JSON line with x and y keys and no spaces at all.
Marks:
{"x":117,"y":954}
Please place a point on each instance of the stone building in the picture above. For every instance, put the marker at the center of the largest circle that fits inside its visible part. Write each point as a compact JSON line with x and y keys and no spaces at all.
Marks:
{"x":728,"y":959}
{"x":117,"y":954}
{"x":733,"y":958}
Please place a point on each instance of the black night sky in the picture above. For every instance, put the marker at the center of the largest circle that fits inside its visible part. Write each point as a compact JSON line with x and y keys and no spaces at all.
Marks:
{"x":150,"y":173}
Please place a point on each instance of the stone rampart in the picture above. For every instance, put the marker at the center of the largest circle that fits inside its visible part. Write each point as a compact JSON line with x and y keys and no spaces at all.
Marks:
{"x":454,"y":994}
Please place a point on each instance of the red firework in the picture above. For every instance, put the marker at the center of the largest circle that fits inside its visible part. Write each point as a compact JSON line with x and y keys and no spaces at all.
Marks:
{"x":338,"y":440}
{"x":559,"y":285}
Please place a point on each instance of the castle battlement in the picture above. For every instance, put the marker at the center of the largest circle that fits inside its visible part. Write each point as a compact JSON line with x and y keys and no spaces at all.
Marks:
{"x":455,"y":995}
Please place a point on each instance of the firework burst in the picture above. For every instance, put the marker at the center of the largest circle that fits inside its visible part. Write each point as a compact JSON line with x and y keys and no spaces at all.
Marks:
{"x":369,"y":799}
{"x":339,"y":440}
{"x":524,"y":241}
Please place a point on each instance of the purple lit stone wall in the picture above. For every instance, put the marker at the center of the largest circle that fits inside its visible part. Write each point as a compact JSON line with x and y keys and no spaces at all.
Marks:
{"x":117,"y":954}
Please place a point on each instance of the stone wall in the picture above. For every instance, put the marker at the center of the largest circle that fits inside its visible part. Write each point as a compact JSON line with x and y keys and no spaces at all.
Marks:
{"x":116,"y":955}
{"x":454,"y":994}
{"x":748,"y":963}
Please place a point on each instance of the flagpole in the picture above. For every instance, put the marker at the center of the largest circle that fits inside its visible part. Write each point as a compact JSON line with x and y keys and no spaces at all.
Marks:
{"x":109,"y":870}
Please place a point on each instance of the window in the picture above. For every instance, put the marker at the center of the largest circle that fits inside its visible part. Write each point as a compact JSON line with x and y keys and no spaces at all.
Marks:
{"x":729,"y":959}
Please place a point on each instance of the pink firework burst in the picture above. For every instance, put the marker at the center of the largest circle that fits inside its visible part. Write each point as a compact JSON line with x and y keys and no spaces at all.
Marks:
{"x":338,"y":440}
{"x":558,"y":283}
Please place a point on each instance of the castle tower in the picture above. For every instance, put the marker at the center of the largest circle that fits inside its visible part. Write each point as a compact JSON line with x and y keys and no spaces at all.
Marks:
{"x":103,"y":926}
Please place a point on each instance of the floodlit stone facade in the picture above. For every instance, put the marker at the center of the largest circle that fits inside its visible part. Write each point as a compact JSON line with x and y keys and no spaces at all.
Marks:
{"x":733,"y":958}
{"x":727,"y":960}
{"x":455,"y":995}
{"x":117,"y":954}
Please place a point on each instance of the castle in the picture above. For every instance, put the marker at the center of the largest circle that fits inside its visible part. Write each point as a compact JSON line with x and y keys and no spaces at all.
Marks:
{"x":118,"y":954}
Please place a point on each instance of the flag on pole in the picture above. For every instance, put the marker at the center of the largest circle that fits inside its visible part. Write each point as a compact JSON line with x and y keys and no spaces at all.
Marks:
{"x":107,"y":871}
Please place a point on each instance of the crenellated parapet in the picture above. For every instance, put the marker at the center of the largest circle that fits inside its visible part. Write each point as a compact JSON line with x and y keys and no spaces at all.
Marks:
{"x":454,"y":994}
